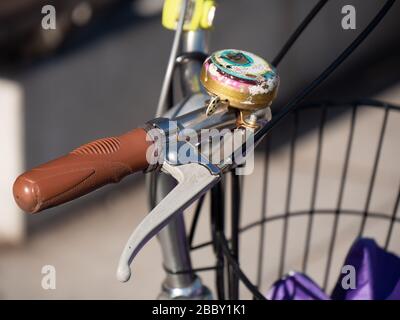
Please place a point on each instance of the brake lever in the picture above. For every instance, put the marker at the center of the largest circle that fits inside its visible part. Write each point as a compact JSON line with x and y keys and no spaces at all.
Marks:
{"x":194,"y":179}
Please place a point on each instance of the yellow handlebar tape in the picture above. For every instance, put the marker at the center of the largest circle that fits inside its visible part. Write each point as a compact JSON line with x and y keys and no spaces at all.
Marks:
{"x":200,"y":14}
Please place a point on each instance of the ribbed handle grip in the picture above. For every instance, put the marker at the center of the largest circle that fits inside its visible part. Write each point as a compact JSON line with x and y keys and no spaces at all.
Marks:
{"x":85,"y":169}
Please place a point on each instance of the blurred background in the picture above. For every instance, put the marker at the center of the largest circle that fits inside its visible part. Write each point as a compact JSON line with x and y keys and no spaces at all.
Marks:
{"x":99,"y":74}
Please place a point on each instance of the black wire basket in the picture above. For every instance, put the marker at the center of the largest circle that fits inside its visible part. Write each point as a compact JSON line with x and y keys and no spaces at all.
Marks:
{"x":350,"y":189}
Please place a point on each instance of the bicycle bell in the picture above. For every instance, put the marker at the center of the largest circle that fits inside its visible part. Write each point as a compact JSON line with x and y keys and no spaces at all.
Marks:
{"x":240,"y":80}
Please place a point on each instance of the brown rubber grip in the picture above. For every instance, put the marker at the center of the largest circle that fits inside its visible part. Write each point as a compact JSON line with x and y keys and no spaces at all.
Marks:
{"x":85,"y":169}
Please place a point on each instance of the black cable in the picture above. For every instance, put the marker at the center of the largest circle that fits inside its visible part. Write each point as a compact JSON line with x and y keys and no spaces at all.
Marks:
{"x":191,"y":271}
{"x":218,"y":226}
{"x":235,"y":225}
{"x":292,"y":39}
{"x":223,"y":243}
{"x":195,"y":221}
{"x":191,"y":56}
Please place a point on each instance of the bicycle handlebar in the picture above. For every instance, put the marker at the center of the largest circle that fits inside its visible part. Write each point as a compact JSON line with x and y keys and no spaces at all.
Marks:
{"x":83,"y":170}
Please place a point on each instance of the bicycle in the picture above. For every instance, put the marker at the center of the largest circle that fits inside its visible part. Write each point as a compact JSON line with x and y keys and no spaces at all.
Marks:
{"x":206,"y":105}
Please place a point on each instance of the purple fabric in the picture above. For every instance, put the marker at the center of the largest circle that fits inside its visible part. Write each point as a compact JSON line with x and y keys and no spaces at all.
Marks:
{"x":377,"y":278}
{"x":296,"y":286}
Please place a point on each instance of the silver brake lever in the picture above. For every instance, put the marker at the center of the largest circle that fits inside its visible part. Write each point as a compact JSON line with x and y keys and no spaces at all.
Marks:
{"x":194,"y":179}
